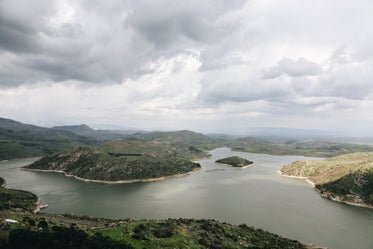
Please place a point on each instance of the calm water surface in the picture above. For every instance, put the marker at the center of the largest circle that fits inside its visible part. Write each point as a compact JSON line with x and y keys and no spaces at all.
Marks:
{"x":257,"y":196}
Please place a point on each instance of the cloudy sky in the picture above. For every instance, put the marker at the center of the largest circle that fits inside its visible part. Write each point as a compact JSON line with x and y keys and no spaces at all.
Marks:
{"x":204,"y":65}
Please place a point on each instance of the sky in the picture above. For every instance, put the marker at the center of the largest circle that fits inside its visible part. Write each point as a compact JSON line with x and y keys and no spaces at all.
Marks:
{"x":203,"y":65}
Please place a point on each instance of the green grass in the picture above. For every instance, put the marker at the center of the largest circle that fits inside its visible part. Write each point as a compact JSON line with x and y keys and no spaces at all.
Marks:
{"x":170,"y":233}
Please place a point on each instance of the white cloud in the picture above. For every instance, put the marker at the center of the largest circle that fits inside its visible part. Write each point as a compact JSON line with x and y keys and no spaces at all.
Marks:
{"x":295,"y":68}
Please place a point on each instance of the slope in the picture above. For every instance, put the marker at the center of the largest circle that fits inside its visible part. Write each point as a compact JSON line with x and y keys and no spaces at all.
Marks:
{"x":347,"y":178}
{"x":121,"y":161}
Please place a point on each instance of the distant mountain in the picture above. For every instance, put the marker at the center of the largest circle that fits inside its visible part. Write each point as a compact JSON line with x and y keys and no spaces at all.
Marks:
{"x":19,"y":127}
{"x":222,"y":136}
{"x":177,"y":137}
{"x":288,"y":146}
{"x":19,"y":140}
{"x":77,"y":129}
{"x":288,"y":132}
{"x":100,"y":135}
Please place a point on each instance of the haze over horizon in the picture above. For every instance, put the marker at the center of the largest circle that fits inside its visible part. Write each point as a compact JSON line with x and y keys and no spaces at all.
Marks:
{"x":208,"y":66}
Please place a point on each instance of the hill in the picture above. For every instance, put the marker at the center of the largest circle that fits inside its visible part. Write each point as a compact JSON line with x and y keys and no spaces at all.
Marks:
{"x":13,"y":200}
{"x":235,"y":162}
{"x":21,"y":128}
{"x":120,"y":161}
{"x":183,"y":138}
{"x":308,"y":147}
{"x":18,"y":140}
{"x":347,"y":178}
{"x":100,"y":135}
{"x":71,"y":231}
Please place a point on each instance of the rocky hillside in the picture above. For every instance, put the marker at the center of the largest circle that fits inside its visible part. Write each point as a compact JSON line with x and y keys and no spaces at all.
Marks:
{"x":118,"y":161}
{"x":347,"y":178}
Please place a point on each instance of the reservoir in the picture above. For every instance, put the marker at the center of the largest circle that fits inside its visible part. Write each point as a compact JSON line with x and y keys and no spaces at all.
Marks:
{"x":257,"y":196}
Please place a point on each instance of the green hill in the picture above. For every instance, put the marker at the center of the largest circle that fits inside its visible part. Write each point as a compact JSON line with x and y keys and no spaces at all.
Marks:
{"x":347,"y":178}
{"x":182,"y":139}
{"x":235,"y":161}
{"x":125,"y":160}
{"x":71,"y":231}
{"x":16,"y":200}
{"x":99,"y":135}
{"x":309,"y":147}
{"x":18,"y":140}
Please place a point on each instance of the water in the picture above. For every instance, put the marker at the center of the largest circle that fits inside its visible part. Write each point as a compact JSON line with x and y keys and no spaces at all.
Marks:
{"x":257,"y":196}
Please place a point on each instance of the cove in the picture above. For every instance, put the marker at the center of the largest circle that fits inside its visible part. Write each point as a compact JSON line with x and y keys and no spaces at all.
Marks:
{"x":257,"y":196}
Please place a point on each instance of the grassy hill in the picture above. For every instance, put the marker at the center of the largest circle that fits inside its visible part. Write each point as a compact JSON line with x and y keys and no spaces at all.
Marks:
{"x":71,"y":231}
{"x":125,"y":160}
{"x":310,"y":147}
{"x":100,"y":135}
{"x":18,"y":127}
{"x":15,"y":144}
{"x":18,"y":140}
{"x":12,"y":199}
{"x":182,"y":139}
{"x":235,"y":161}
{"x":347,"y":178}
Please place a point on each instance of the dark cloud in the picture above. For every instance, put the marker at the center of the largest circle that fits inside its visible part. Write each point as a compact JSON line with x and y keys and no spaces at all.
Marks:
{"x":102,"y":43}
{"x":167,"y":23}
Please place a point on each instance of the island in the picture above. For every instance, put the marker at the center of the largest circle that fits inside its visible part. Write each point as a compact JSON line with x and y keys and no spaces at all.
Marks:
{"x":235,"y":162}
{"x":347,"y":178}
{"x":125,"y":161}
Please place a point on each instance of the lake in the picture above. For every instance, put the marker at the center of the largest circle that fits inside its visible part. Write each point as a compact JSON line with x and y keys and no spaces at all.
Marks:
{"x":257,"y":196}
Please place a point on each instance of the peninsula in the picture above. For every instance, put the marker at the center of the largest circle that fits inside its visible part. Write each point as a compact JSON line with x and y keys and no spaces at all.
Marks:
{"x":347,"y":178}
{"x":125,"y":161}
{"x":235,"y":162}
{"x":18,"y":200}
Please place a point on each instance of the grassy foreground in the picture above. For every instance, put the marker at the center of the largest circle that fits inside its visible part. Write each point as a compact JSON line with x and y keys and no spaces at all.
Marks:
{"x":71,"y":231}
{"x":347,"y":178}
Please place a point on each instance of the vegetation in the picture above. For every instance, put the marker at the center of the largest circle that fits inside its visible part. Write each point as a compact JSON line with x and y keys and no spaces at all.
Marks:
{"x":59,"y":237}
{"x":311,"y":148}
{"x":99,"y":135}
{"x":184,"y":141}
{"x":71,"y":231}
{"x":117,"y":161}
{"x":11,"y":199}
{"x":235,"y":161}
{"x":19,"y":140}
{"x":346,"y":178}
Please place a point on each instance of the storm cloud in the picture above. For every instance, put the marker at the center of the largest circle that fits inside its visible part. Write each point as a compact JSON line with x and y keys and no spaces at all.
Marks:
{"x":187,"y":64}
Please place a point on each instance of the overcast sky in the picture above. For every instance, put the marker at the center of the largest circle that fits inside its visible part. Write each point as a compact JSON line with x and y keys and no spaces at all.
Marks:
{"x":203,"y":65}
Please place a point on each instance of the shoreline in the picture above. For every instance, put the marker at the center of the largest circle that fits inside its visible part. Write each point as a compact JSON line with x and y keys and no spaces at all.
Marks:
{"x":4,"y":183}
{"x":116,"y":182}
{"x":243,"y":167}
{"x":299,"y":177}
{"x":39,"y":206}
{"x":325,"y":195}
